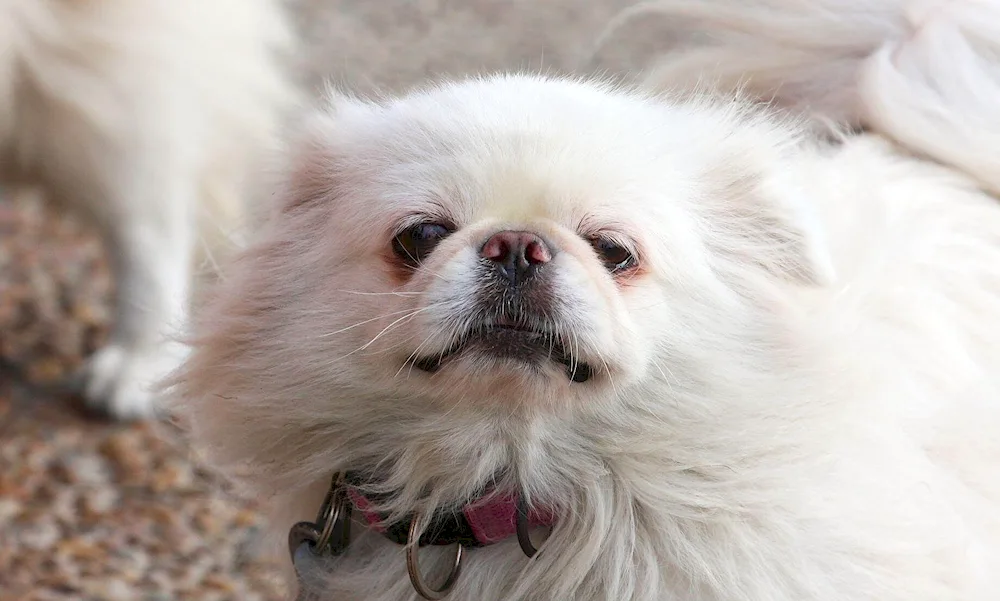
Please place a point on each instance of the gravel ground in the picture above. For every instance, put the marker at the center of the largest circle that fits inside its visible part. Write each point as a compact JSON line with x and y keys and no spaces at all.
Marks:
{"x":91,"y":510}
{"x":96,"y":511}
{"x":118,"y":513}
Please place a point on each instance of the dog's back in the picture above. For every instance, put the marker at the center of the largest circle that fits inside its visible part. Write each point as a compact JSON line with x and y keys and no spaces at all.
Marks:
{"x":79,"y":80}
{"x":922,"y":72}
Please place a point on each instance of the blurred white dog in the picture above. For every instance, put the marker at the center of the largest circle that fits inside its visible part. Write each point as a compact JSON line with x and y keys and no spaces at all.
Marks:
{"x":712,"y":355}
{"x":149,"y":115}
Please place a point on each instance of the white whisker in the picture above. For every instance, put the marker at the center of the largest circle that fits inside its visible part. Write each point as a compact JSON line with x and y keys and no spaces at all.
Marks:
{"x":395,"y":323}
{"x":392,"y":293}
{"x":361,"y":323}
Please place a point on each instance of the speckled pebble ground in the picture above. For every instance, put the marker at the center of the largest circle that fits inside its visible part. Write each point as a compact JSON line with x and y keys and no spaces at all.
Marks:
{"x":91,"y":510}
{"x":55,"y":298}
{"x":96,"y":511}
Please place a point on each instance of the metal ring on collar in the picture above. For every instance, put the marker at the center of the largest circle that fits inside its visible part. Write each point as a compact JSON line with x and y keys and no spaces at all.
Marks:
{"x":523,"y":538}
{"x":417,"y":579}
{"x":331,"y":531}
{"x":332,"y":512}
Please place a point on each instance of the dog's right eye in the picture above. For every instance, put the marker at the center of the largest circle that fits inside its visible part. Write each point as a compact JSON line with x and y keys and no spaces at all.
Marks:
{"x":413,"y":244}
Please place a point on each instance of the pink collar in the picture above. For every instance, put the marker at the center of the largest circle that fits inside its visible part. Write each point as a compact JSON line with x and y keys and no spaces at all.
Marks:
{"x":484,"y":521}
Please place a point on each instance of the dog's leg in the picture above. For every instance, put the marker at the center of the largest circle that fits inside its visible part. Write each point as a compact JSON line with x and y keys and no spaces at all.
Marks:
{"x":134,"y":166}
{"x":142,"y":190}
{"x":150,"y":232}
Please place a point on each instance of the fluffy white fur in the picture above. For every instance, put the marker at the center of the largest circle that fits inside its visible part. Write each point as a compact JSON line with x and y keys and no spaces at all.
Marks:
{"x":924,"y":72}
{"x":797,"y":396}
{"x":149,"y":115}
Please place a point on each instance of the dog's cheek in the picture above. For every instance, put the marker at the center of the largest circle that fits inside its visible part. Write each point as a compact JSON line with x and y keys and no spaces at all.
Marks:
{"x":642,"y":318}
{"x":594,"y":306}
{"x":446,"y":289}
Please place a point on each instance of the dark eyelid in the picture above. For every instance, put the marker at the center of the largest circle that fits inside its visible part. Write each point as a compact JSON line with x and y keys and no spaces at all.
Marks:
{"x":616,"y":238}
{"x":416,"y":219}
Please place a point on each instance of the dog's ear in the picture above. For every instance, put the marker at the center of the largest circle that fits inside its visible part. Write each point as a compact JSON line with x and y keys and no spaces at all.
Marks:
{"x":309,"y":167}
{"x":765,"y":219}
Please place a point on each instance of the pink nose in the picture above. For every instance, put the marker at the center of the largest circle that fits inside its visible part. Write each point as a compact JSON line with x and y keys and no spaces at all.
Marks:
{"x":517,"y":255}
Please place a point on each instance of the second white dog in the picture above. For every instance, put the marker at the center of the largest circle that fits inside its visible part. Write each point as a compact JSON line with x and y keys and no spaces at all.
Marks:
{"x":151,"y":116}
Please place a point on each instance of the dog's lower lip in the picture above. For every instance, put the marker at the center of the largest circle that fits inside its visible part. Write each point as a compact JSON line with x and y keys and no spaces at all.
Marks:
{"x":576,"y":371}
{"x":513,"y":325}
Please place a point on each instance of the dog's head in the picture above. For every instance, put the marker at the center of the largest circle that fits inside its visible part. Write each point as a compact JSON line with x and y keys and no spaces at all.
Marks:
{"x":491,"y":253}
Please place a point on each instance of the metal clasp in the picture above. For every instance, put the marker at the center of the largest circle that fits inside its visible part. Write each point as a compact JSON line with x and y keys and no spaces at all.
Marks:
{"x":331,"y":532}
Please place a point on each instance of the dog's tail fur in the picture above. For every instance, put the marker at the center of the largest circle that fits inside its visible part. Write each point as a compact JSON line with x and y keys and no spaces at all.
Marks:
{"x":925,"y":73}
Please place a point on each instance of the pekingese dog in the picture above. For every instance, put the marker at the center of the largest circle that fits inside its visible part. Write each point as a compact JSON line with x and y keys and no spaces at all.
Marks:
{"x":524,"y":338}
{"x":149,"y":115}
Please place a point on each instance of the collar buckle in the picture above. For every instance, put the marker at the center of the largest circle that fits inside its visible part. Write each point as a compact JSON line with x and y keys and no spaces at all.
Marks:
{"x":331,"y":532}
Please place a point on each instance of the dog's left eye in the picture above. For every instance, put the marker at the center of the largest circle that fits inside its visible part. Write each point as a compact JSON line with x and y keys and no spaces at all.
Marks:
{"x":413,"y":244}
{"x":616,"y":258}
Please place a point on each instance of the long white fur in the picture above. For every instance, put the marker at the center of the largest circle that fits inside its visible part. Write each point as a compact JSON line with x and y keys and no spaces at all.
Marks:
{"x":924,"y":72}
{"x":799,"y":396}
{"x":151,"y":116}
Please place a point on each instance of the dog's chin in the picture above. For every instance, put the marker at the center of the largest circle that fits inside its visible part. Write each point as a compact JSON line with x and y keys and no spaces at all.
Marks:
{"x":511,"y":348}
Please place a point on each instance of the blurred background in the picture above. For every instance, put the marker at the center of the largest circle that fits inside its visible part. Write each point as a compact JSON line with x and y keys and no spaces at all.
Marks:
{"x":93,"y":510}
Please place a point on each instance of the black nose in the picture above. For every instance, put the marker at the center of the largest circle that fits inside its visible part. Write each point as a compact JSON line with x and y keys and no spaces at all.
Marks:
{"x":516,"y":255}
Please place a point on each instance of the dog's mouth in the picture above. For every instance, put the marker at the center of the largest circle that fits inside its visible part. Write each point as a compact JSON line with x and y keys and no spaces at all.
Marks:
{"x":512,"y":341}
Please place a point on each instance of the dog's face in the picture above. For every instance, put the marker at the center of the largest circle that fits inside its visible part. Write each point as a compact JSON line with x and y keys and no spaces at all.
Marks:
{"x":500,"y":248}
{"x":487,"y":262}
{"x":505,"y":301}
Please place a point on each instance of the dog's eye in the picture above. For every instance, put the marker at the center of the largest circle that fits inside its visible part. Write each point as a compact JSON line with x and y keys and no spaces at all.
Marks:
{"x":413,"y":244}
{"x":616,"y":258}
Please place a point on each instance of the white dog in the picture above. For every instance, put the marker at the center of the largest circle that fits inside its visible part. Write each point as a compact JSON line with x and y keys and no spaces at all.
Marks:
{"x":149,"y":115}
{"x":701,"y":352}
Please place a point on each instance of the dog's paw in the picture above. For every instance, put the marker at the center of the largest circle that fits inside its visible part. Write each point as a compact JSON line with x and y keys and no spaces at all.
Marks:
{"x":122,"y":382}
